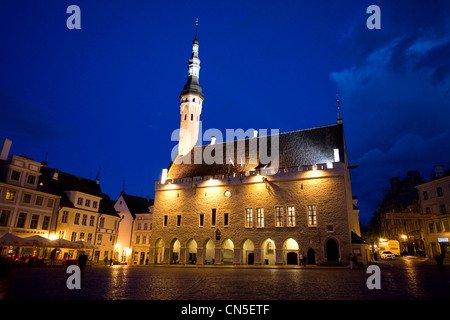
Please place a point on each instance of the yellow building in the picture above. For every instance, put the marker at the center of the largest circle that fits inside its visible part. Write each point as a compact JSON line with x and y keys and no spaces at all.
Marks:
{"x":268,"y":199}
{"x":85,"y":214}
{"x":135,"y":228}
{"x":435,"y":199}
{"x":27,"y":208}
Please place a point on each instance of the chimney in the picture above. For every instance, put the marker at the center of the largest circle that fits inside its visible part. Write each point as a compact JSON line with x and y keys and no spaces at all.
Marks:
{"x":439,"y":171}
{"x":55,"y":173}
{"x":5,"y":145}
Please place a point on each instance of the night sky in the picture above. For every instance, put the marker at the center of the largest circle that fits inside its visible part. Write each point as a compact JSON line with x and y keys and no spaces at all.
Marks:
{"x":107,"y":95}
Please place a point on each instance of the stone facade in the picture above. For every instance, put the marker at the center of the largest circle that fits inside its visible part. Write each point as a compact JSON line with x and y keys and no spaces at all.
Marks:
{"x":230,"y":203}
{"x":206,"y":218}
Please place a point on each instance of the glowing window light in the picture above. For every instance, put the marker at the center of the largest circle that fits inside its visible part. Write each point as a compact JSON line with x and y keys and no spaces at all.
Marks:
{"x":164,"y":176}
{"x":336,"y":155}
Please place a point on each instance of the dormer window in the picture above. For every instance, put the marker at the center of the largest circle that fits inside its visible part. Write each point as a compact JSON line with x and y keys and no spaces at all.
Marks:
{"x":87,"y":203}
{"x":94,"y":204}
{"x":80,"y":201}
{"x":15,"y":175}
{"x":31,"y":179}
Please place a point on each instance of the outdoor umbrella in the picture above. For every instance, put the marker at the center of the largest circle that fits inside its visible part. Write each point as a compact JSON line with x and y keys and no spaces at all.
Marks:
{"x":39,"y":241}
{"x":9,"y":239}
{"x":62,"y":243}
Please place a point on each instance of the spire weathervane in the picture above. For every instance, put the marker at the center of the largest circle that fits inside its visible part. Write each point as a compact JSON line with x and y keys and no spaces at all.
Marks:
{"x":196,"y":28}
{"x":338,"y":108}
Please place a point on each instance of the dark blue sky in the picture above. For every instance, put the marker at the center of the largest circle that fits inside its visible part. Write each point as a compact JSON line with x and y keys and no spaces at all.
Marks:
{"x":107,"y":95}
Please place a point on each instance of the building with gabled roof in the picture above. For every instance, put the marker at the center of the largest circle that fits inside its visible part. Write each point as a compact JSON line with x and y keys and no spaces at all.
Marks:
{"x":281,"y":198}
{"x":133,"y":210}
{"x":38,"y":200}
{"x":85,"y":214}
{"x":27,"y":207}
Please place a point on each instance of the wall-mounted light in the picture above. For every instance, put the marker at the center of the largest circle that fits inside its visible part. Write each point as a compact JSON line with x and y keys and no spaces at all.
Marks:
{"x":164,"y":176}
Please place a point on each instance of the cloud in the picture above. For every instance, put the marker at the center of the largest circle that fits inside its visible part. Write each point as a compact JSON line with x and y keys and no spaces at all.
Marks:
{"x":394,"y":96}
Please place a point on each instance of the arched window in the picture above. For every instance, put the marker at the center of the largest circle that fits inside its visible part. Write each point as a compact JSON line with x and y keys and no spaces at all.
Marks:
{"x":192,"y":116}
{"x":185,"y":116}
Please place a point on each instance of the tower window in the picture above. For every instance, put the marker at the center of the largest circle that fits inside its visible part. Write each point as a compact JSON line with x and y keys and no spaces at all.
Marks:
{"x":185,"y":116}
{"x":213,"y":217}
{"x":192,"y":116}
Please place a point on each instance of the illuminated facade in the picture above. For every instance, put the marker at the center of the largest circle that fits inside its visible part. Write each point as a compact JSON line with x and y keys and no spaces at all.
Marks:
{"x":435,"y":199}
{"x":84,"y":214}
{"x":423,"y":229}
{"x":37,"y":200}
{"x":242,"y":209}
{"x":26,"y":207}
{"x":135,"y":228}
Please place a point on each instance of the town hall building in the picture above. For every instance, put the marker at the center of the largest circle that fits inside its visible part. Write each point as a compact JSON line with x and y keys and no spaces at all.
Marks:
{"x":264,"y":199}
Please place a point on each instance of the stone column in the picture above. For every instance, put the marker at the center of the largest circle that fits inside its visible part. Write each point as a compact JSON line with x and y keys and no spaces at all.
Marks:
{"x":182,"y":258}
{"x":257,"y":253}
{"x":278,"y":256}
{"x":199,"y":256}
{"x":217,"y":257}
{"x":237,"y":256}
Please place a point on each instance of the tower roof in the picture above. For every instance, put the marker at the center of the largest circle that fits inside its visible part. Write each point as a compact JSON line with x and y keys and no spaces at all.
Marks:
{"x":192,"y":85}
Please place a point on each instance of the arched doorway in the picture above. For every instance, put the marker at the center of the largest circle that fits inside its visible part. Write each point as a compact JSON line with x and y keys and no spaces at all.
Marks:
{"x":290,"y":251}
{"x":332,"y":250}
{"x":159,"y":252}
{"x":311,"y":256}
{"x":268,"y":252}
{"x":227,"y":251}
{"x":175,"y":251}
{"x":247,"y":252}
{"x":191,"y":248}
{"x":209,"y":252}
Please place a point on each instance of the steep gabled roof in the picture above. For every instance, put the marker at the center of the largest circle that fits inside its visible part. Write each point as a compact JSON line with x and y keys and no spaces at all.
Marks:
{"x":70,"y":182}
{"x":137,"y":204}
{"x":296,"y":148}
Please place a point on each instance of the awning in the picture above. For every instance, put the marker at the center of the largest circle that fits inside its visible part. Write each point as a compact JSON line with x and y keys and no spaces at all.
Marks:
{"x":9,"y":239}
{"x":39,"y":241}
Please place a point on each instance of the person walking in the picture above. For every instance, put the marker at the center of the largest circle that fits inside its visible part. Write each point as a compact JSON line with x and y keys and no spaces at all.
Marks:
{"x":82,"y":260}
{"x":440,"y":261}
{"x":351,"y":261}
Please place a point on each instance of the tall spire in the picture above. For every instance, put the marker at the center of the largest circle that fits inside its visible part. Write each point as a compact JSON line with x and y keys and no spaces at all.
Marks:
{"x":192,"y":85}
{"x":339,"y":119}
{"x":191,"y":98}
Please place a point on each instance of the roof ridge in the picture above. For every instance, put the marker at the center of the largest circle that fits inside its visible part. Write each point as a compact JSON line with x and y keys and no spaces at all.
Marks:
{"x":282,"y":133}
